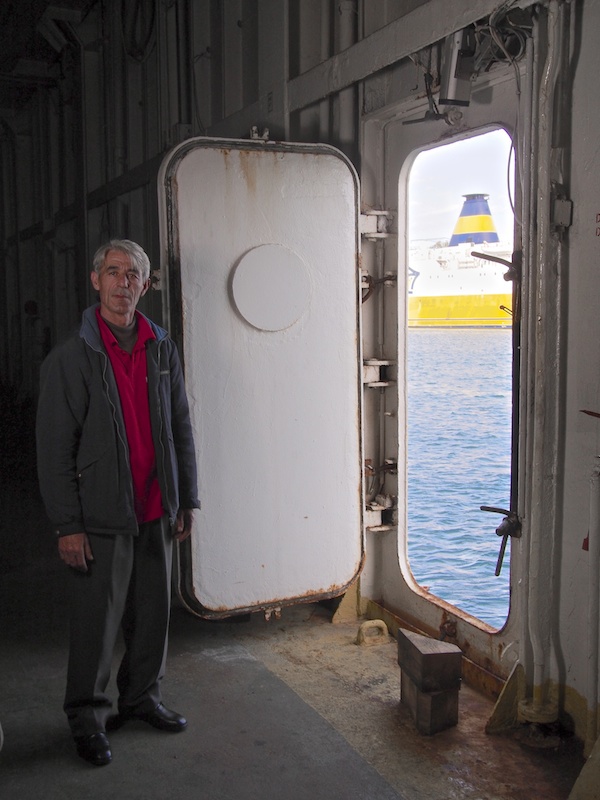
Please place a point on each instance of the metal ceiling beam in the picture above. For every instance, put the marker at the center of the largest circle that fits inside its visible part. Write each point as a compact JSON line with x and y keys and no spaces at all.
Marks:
{"x":397,"y":40}
{"x":33,"y":80}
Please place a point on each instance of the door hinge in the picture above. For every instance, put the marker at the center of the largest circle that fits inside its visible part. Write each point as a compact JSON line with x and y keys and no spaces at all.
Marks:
{"x":254,"y":134}
{"x":381,"y":514}
{"x":377,"y":224}
{"x":378,"y":373}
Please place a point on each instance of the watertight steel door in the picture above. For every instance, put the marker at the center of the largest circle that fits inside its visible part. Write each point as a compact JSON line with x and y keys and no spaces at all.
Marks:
{"x":263,"y":295}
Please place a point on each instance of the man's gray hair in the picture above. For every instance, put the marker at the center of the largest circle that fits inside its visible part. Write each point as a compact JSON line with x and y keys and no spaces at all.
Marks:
{"x":136,"y":253}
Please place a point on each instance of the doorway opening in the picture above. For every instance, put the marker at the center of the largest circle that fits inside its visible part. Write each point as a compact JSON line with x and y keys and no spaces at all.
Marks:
{"x":459,"y":370}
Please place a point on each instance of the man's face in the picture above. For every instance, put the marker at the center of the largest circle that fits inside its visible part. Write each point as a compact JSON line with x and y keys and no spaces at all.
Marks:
{"x":120,"y":286}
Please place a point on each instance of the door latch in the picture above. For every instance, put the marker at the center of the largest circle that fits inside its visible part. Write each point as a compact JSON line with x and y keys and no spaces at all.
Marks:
{"x":510,"y":526}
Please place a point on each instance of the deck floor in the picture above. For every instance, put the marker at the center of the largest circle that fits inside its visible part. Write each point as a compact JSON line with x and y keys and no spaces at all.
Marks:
{"x":280,"y":710}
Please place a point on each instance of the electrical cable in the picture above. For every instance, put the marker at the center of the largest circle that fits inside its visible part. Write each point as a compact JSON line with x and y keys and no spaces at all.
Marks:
{"x":503,"y":33}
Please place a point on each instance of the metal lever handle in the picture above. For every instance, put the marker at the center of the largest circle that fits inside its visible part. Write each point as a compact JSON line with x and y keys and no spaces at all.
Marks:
{"x":513,"y":266}
{"x":510,"y":526}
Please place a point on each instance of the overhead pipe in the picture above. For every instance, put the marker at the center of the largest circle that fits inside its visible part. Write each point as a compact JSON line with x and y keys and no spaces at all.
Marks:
{"x":8,"y":135}
{"x":81,"y":161}
{"x":184,"y":62}
{"x":593,"y":609}
{"x":159,"y":101}
{"x":324,"y":120}
{"x":558,"y":248}
{"x":346,"y":102}
{"x":538,"y":708}
{"x":526,"y":175}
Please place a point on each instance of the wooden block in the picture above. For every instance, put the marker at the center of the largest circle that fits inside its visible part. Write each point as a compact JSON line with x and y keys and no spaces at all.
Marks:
{"x":434,"y":666}
{"x":432,"y":711}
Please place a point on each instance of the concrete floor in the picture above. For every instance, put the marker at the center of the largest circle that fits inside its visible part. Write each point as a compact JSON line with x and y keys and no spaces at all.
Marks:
{"x":290,"y":709}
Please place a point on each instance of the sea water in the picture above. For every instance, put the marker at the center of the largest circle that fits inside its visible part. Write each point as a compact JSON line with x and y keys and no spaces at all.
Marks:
{"x":459,"y":457}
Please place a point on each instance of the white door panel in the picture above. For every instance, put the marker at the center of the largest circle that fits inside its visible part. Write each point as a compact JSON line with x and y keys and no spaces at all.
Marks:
{"x":262,"y":239}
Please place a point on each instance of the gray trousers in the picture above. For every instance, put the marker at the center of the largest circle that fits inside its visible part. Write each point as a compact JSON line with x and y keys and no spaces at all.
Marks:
{"x":127,"y":586}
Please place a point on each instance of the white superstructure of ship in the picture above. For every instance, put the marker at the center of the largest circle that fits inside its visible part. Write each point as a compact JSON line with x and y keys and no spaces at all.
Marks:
{"x":453,"y":283}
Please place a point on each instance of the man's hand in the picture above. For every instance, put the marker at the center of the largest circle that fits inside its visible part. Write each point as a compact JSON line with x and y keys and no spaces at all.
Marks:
{"x":183,"y":524}
{"x":75,"y":551}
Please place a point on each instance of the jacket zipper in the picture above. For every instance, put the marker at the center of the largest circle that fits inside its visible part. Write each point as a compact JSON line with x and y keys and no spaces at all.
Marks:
{"x":161,"y":427}
{"x":114,"y":416}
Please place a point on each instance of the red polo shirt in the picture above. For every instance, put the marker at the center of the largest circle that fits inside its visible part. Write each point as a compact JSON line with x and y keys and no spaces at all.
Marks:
{"x":131,"y":375}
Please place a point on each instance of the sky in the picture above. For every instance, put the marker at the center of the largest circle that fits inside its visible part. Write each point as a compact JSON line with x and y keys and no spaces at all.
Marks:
{"x":440,"y":177}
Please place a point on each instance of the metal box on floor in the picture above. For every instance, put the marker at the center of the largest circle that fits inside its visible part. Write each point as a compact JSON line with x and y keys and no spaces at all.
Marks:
{"x":434,"y":666}
{"x":430,"y":680}
{"x":432,"y":711}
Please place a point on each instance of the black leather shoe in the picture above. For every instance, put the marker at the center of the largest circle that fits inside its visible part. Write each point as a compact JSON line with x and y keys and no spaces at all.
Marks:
{"x":162,"y":718}
{"x":94,"y":748}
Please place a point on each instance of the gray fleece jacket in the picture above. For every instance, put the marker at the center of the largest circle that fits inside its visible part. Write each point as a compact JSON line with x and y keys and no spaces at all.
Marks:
{"x":82,"y":451}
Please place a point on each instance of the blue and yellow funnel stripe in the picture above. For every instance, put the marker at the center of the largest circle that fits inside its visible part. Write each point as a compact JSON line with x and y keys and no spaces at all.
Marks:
{"x":475,"y":224}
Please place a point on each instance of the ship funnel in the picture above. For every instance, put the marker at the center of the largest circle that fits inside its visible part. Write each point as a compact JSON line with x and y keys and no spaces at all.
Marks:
{"x":475,"y":223}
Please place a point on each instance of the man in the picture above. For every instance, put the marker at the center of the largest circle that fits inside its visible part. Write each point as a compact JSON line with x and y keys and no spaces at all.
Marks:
{"x":117,"y":473}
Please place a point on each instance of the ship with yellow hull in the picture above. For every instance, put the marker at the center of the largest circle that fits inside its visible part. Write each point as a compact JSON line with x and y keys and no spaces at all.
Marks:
{"x":449,"y":287}
{"x":454,"y":284}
